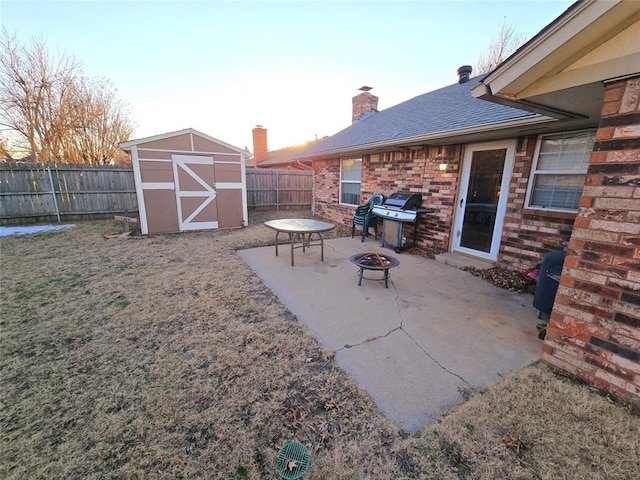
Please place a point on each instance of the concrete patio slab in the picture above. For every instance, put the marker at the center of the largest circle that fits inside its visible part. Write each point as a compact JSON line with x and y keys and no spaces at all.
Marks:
{"x":414,"y":346}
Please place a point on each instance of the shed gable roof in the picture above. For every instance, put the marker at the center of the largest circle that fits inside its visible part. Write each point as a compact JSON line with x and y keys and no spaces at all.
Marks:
{"x":131,"y":143}
{"x":449,"y":109}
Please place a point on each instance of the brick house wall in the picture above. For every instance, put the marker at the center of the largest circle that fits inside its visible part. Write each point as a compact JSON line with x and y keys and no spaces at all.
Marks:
{"x":594,"y":330}
{"x":413,"y":170}
{"x":527,"y":234}
{"x":327,"y":192}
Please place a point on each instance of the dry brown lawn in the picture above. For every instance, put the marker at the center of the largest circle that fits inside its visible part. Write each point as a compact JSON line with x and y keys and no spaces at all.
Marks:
{"x":166,"y":357}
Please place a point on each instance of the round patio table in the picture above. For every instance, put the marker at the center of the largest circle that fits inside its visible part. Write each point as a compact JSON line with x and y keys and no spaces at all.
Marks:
{"x":301,"y":231}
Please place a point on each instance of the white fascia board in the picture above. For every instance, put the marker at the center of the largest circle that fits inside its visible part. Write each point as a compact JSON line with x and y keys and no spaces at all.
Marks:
{"x":430,"y":138}
{"x":163,"y":136}
{"x":551,"y":47}
{"x":220,"y":142}
{"x":615,"y":68}
{"x":153,"y":138}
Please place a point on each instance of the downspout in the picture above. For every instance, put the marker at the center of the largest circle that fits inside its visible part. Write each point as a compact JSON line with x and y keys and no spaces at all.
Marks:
{"x":303,"y":166}
{"x":313,"y":182}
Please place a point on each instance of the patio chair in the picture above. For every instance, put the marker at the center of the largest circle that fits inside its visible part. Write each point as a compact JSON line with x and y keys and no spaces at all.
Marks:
{"x":363,"y":217}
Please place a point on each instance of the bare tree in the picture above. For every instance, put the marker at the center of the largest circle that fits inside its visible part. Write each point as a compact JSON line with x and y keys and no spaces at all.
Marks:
{"x":51,"y":112}
{"x":100,"y":122}
{"x":4,"y":151}
{"x":33,"y":87}
{"x":507,"y":42}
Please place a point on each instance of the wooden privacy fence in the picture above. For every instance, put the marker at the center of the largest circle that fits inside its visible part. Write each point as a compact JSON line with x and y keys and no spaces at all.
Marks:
{"x":45,"y":192}
{"x":65,"y":191}
{"x":277,"y":189}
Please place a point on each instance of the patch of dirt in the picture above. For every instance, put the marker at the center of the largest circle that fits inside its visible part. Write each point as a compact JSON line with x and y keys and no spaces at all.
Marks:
{"x":165,"y":356}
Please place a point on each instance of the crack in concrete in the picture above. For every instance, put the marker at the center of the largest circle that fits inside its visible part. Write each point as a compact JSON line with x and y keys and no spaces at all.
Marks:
{"x":434,"y":360}
{"x":369,"y":340}
{"x":401,"y":328}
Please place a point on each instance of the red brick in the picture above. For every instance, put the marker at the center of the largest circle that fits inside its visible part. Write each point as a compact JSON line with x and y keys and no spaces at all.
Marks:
{"x":609,"y":249}
{"x":546,"y":348}
{"x":619,"y":216}
{"x":565,"y":367}
{"x":598,"y":157}
{"x":581,"y":367}
{"x":582,"y":222}
{"x":585,"y":202}
{"x":610,"y":108}
{"x":612,"y":293}
{"x":611,"y":367}
{"x":576,"y":246}
{"x":594,"y":179}
{"x":576,"y":328}
{"x":614,"y":92}
{"x":566,"y":281}
{"x":552,"y":332}
{"x":605,"y":133}
{"x":571,"y":262}
{"x":594,"y":310}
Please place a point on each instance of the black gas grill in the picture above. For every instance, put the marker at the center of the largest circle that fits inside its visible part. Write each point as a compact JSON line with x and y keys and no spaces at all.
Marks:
{"x":398,"y":209}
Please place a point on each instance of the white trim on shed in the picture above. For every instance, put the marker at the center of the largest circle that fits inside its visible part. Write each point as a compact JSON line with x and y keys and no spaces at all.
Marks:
{"x":187,"y":180}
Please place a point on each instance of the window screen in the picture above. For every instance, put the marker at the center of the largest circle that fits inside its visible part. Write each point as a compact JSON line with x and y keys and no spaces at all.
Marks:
{"x":350,"y":176}
{"x":560,"y":170}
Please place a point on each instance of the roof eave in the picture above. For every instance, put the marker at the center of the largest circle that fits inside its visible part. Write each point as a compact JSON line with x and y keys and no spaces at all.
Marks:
{"x":552,"y":47}
{"x":483,"y":92}
{"x":431,"y":138}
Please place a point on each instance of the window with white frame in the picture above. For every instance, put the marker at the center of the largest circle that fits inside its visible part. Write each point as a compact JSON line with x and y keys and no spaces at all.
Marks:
{"x":559,"y":170}
{"x":350,"y":176}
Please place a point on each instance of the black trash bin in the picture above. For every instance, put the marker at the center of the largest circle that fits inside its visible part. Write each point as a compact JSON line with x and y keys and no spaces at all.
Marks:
{"x":547,"y":285}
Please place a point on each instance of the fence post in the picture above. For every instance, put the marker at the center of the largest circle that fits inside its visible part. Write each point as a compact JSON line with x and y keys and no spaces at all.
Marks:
{"x":277,"y":191}
{"x":53,"y":192}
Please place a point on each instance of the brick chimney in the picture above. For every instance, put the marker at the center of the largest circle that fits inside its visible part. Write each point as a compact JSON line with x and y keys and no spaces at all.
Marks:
{"x":260,"y":150}
{"x":363,"y":103}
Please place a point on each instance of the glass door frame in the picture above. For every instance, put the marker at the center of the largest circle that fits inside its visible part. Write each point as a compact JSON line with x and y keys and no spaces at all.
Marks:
{"x":463,"y":186}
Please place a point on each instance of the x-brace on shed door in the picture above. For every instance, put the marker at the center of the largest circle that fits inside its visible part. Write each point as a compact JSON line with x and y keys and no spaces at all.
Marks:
{"x":195,"y":192}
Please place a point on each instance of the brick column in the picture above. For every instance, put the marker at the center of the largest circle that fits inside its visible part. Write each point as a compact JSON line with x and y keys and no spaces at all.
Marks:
{"x":594,"y":331}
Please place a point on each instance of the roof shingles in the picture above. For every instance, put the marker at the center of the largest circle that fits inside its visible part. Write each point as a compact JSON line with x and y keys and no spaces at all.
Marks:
{"x":450,"y":108}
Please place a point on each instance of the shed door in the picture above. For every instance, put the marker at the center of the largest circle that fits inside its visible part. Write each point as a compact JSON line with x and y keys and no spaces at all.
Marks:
{"x":195,"y":192}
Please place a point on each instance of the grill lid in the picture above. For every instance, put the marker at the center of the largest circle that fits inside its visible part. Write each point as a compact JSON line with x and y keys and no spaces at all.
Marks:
{"x":404,"y":200}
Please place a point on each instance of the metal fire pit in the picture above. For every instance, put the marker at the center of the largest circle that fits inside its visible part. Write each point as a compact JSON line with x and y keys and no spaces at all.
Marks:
{"x":374,"y":261}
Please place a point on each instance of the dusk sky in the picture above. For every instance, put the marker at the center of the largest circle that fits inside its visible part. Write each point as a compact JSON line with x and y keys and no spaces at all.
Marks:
{"x":223,"y":67}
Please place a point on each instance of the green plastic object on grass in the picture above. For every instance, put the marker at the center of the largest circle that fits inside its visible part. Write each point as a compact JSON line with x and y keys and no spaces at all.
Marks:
{"x":292,"y":461}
